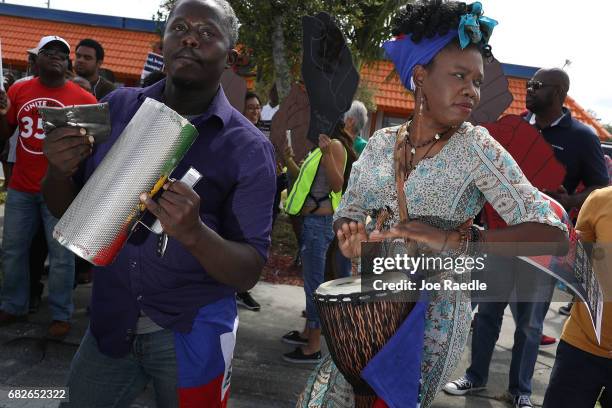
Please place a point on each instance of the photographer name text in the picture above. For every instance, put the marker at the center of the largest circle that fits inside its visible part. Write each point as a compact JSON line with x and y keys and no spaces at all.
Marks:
{"x":446,"y":284}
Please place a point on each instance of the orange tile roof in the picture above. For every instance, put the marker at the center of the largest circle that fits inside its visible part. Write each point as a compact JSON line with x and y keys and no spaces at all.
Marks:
{"x":391,"y":96}
{"x":585,"y":117}
{"x":125,"y":50}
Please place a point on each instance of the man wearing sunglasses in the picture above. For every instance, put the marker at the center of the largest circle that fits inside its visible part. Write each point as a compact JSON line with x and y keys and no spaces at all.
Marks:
{"x":25,"y":209}
{"x":576,"y":146}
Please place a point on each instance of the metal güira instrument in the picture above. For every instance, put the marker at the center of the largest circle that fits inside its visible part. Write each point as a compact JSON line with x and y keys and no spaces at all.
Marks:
{"x":100,"y":219}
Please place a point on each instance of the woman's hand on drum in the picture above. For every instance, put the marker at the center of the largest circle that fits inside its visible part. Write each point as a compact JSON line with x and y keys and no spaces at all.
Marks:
{"x":178,"y":211}
{"x":350,"y":236}
{"x":437,"y":239}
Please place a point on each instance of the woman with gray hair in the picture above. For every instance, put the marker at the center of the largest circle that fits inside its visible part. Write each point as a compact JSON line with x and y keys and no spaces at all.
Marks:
{"x":355,"y":120}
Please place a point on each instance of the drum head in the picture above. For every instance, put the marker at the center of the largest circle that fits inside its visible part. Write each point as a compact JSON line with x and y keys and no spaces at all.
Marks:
{"x":342,"y":286}
{"x":353,"y":284}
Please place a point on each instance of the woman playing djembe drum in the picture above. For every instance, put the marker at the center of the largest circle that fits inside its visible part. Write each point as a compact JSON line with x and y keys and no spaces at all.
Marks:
{"x":433,"y":175}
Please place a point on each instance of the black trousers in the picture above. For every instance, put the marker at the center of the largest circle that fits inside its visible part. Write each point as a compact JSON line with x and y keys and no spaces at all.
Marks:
{"x":577,"y":379}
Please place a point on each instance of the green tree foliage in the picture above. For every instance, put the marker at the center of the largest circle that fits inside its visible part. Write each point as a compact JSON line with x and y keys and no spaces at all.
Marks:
{"x":365,"y":24}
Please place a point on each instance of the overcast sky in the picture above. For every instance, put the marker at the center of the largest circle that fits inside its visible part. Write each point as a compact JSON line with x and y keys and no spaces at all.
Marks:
{"x":538,"y":33}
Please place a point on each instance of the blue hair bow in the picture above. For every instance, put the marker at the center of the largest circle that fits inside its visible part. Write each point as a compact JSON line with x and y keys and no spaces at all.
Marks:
{"x":470,"y":27}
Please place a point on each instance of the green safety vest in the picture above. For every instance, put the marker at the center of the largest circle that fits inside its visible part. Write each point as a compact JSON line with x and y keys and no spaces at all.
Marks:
{"x":297,"y":197}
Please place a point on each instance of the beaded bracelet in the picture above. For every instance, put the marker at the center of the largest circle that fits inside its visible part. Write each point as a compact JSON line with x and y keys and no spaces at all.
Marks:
{"x":463,"y":243}
{"x":476,"y":236}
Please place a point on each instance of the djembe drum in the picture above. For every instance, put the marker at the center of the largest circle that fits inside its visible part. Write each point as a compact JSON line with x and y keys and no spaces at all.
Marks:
{"x":357,"y":323}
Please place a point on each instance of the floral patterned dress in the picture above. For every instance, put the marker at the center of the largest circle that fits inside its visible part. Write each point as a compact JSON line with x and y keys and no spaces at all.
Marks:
{"x":444,"y":191}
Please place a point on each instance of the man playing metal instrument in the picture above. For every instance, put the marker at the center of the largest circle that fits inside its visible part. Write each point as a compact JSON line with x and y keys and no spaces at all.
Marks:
{"x":172,"y":319}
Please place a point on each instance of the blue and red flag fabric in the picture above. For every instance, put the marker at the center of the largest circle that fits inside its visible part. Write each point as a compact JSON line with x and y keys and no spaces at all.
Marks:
{"x":395,"y":372}
{"x":204,"y":356}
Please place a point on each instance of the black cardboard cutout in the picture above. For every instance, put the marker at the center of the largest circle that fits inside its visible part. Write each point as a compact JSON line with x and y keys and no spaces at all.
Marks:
{"x":329,"y":74}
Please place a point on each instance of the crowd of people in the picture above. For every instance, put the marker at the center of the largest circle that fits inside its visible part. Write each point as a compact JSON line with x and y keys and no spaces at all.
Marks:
{"x":172,"y":320}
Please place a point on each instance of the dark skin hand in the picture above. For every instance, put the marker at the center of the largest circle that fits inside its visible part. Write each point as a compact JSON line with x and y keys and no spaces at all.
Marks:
{"x":178,"y":211}
{"x":529,"y":232}
{"x":569,"y":201}
{"x":65,"y":148}
{"x":351,"y":234}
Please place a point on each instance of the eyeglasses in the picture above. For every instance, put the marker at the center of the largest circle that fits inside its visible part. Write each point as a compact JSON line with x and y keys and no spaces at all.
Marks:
{"x":53,"y":53}
{"x":535,"y":85}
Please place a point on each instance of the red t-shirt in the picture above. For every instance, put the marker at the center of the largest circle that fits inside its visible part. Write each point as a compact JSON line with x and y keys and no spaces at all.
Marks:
{"x":31,"y":165}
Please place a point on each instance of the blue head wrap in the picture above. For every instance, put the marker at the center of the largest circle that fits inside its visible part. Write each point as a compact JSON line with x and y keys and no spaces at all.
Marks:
{"x":405,"y":54}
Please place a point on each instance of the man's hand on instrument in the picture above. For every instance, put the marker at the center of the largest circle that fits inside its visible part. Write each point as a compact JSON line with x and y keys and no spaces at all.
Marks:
{"x":5,"y":103}
{"x":350,"y":236}
{"x":178,"y":210}
{"x":65,"y":148}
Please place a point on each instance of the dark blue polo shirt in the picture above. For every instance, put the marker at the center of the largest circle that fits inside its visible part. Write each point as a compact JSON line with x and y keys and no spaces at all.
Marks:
{"x":578,"y":148}
{"x":237,"y":193}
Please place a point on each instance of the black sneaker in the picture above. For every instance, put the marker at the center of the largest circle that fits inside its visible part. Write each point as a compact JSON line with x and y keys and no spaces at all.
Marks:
{"x":298,"y":356}
{"x":245,"y":300}
{"x":522,"y":401}
{"x":461,"y":387}
{"x":566,"y":310}
{"x":293,"y":337}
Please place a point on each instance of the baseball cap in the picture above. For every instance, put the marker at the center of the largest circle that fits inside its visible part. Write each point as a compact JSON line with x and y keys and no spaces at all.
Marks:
{"x":49,"y":39}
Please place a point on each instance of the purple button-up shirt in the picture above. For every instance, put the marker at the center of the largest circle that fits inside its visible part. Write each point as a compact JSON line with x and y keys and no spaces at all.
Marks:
{"x":237,"y":195}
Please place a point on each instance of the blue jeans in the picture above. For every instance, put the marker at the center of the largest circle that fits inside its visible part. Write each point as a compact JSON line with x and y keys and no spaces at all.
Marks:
{"x":317,"y":234}
{"x":529,"y":319}
{"x":97,"y":380}
{"x":23,"y":214}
